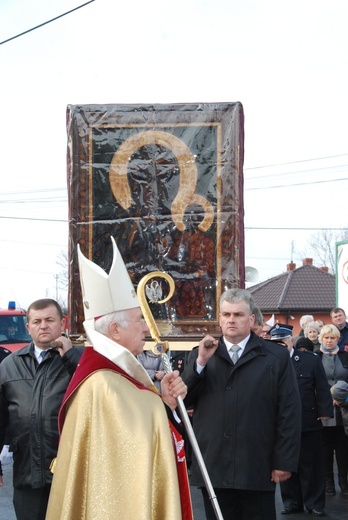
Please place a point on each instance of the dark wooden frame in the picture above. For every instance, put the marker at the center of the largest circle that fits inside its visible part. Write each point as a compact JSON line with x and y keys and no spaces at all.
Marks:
{"x":214,"y":134}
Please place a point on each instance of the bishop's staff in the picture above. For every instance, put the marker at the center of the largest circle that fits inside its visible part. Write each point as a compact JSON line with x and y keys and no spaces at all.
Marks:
{"x":160,"y":348}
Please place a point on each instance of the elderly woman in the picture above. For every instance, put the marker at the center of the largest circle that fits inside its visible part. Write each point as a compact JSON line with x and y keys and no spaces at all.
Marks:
{"x":312,"y":331}
{"x":335,"y":364}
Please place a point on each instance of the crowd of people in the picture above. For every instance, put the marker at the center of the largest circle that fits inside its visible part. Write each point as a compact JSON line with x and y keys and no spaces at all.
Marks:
{"x":322,"y":418}
{"x":95,"y":432}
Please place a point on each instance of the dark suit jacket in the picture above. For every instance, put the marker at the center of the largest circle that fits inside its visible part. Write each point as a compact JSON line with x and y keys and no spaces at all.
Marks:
{"x":247,"y":417}
{"x":314,"y":389}
{"x":344,"y":337}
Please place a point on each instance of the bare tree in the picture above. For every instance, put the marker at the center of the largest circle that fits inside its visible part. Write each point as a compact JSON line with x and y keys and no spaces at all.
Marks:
{"x":62,"y":280}
{"x":322,"y":247}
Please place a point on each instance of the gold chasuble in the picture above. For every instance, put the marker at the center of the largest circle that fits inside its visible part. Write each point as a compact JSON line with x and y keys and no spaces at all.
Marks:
{"x":116,"y":458}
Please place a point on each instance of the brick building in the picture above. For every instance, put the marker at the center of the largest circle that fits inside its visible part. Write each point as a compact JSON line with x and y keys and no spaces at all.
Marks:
{"x":303,"y":290}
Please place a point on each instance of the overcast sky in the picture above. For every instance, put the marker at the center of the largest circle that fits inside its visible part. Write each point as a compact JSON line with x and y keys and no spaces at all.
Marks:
{"x":285,"y":61}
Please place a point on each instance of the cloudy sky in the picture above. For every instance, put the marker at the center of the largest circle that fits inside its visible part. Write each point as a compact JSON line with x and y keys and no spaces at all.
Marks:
{"x":285,"y":61}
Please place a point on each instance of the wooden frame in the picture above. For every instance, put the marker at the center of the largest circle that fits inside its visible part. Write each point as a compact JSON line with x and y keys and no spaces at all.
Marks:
{"x":167,"y":182}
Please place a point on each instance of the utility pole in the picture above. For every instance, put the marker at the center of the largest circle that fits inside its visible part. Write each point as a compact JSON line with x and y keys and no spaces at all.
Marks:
{"x":56,"y":277}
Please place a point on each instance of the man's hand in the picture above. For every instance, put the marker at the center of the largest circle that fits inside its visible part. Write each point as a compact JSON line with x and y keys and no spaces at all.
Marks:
{"x":206,"y":349}
{"x":280,"y":476}
{"x":172,"y":386}
{"x":62,"y":344}
{"x":1,"y":481}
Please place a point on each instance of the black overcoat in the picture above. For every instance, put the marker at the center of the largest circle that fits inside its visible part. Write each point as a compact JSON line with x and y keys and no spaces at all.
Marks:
{"x":247,"y":417}
{"x":314,"y":389}
{"x":30,"y":398}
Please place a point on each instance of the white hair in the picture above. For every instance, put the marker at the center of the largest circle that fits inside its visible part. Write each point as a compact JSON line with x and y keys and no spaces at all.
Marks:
{"x":237,"y":295}
{"x":102,"y":324}
{"x":305,"y":319}
{"x":311,"y":325}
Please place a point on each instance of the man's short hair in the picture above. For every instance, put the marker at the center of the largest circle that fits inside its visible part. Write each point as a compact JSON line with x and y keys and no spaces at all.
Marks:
{"x":337,"y":309}
{"x":38,"y":305}
{"x":238,"y":295}
{"x":258,"y":316}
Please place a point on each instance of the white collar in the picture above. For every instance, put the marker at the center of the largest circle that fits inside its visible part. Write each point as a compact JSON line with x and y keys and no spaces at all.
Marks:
{"x":37,"y":352}
{"x":119,"y":355}
{"x":242,"y":344}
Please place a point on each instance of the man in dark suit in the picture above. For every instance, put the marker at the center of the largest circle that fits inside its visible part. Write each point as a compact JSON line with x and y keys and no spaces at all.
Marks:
{"x":306,"y":487}
{"x":247,"y":414}
{"x":339,"y":319}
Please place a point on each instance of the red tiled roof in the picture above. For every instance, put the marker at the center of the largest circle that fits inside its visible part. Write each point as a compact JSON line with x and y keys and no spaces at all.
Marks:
{"x":302,"y":289}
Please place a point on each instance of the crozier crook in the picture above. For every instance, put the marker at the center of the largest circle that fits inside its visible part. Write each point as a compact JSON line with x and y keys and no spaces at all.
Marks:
{"x":160,"y":348}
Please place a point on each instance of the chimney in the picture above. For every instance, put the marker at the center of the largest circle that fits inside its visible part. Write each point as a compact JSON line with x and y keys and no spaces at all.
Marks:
{"x":290,"y":267}
{"x":325,"y":269}
{"x":307,"y":261}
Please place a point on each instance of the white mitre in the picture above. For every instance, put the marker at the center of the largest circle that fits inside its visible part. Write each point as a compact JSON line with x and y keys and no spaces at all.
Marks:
{"x":104,"y":293}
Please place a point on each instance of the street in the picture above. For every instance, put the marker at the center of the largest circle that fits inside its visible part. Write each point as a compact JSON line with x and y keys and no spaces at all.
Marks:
{"x":336,"y":507}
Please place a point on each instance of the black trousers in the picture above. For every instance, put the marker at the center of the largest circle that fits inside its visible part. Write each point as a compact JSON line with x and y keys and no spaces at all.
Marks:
{"x":307,"y":486}
{"x":336,"y":443}
{"x":31,"y":504}
{"x":237,"y":504}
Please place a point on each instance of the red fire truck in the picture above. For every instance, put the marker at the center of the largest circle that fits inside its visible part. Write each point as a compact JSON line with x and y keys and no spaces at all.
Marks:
{"x":13,"y":331}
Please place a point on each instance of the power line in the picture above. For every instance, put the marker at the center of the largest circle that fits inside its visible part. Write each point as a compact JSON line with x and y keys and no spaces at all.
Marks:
{"x":45,"y":23}
{"x":64,"y":198}
{"x":252,"y":228}
{"x":33,"y":218}
{"x":294,"y":184}
{"x":25,"y":270}
{"x":294,"y":229}
{"x":301,"y":172}
{"x":36,"y":201}
{"x":38,"y":195}
{"x":30,"y":244}
{"x":37,"y":190}
{"x":297,"y":162}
